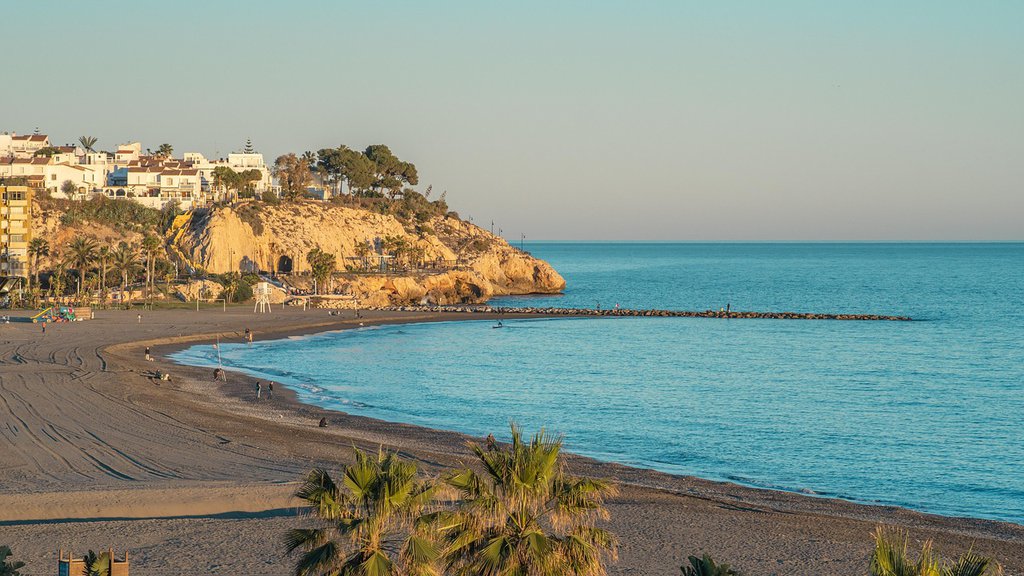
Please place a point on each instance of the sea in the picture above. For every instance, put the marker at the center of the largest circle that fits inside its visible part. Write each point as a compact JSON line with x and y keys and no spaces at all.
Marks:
{"x":927,"y":414}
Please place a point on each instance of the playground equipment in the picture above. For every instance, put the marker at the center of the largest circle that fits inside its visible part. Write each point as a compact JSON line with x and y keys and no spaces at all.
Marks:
{"x":62,"y":314}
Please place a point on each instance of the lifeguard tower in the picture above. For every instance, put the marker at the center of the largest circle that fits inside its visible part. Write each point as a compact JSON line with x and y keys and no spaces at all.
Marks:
{"x":262,"y":295}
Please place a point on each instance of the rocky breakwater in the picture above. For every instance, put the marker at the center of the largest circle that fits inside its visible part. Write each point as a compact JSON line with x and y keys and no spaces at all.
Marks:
{"x":442,"y":260}
{"x":538,"y":311}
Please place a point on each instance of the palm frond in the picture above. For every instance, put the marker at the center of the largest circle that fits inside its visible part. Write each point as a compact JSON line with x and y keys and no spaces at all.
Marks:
{"x":320,"y":561}
{"x":968,"y":564}
{"x":305,"y":538}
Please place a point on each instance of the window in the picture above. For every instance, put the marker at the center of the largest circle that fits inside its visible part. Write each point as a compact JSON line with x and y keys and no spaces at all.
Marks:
{"x":17,"y":238}
{"x":53,"y":176}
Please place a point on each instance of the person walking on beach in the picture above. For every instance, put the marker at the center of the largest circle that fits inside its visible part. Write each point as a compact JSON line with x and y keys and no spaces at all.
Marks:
{"x":148,"y":357}
{"x":248,"y":336}
{"x":259,"y":390}
{"x":140,"y":318}
{"x":270,"y":391}
{"x":44,"y":326}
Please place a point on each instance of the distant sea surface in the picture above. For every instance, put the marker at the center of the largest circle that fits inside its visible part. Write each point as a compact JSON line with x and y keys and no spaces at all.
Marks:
{"x":927,"y":414}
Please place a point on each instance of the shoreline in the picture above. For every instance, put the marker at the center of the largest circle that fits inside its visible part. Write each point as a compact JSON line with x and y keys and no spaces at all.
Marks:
{"x":752,"y":528}
{"x":288,"y":392}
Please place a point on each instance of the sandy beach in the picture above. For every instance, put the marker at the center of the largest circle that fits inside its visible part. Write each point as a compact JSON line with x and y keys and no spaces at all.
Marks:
{"x":194,"y":477}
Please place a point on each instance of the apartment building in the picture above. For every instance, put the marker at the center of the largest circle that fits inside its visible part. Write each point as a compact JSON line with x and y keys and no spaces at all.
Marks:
{"x":15,"y":230}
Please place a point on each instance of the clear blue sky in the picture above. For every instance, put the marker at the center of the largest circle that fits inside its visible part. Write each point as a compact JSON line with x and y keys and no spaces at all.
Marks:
{"x":581,"y":120}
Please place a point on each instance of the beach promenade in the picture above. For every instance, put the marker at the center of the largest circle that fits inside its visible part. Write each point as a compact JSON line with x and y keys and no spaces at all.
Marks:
{"x":193,"y":476}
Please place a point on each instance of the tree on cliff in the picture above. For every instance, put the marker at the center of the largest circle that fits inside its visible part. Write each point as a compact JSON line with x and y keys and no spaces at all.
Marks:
{"x":225,"y":178}
{"x":330,"y":164}
{"x":292,"y":175}
{"x":368,"y":522}
{"x":360,"y":171}
{"x":322,"y":265}
{"x":391,"y":174}
{"x":247,"y":180}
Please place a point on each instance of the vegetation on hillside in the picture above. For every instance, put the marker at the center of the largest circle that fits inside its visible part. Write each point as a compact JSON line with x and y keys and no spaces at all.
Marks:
{"x":120,"y":214}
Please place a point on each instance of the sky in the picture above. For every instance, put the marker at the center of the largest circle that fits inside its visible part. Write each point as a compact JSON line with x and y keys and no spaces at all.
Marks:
{"x":579,"y":120}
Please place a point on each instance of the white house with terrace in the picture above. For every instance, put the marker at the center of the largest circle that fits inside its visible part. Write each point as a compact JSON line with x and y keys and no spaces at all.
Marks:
{"x":125,"y":173}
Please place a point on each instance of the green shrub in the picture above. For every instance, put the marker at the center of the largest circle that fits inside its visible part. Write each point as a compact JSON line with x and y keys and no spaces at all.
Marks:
{"x":705,"y":566}
{"x":117,"y":213}
{"x":250,"y":214}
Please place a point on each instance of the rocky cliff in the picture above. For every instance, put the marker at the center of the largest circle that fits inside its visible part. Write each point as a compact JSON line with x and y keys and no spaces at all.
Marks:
{"x":448,"y":260}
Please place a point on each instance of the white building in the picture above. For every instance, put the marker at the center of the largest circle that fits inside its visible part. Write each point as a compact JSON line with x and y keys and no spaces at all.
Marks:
{"x":26,"y":146}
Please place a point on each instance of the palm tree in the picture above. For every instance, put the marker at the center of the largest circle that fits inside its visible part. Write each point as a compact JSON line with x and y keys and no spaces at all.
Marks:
{"x":125,"y":261}
{"x":88,"y":142}
{"x":81,"y":254}
{"x":150,"y":246}
{"x":705,"y":566}
{"x":57,"y":278}
{"x":890,"y":558}
{"x":37,"y":248}
{"x":97,"y":564}
{"x":231,"y":283}
{"x":524,"y":515}
{"x":367,"y":522}
{"x":103,"y":255}
{"x":9,"y":568}
{"x":165,"y":150}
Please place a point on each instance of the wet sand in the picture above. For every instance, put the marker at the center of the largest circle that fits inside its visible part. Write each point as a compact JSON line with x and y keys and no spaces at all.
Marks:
{"x":193,"y":476}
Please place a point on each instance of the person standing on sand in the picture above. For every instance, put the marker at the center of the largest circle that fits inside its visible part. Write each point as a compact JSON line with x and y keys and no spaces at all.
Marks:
{"x":270,"y":391}
{"x":44,"y":326}
{"x":259,"y":390}
{"x":148,"y":357}
{"x":140,"y":318}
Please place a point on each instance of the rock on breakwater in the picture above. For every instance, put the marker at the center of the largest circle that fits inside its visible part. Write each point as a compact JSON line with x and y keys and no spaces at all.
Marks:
{"x":622,"y":312}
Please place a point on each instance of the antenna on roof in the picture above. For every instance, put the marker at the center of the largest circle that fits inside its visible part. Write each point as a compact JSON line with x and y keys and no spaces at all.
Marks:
{"x":37,"y":130}
{"x":248,"y":146}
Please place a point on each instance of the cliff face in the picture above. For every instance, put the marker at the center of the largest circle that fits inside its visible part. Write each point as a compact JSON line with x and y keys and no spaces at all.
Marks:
{"x":277,"y":238}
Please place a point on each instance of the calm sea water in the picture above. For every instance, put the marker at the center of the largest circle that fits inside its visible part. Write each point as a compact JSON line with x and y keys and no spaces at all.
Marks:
{"x":927,"y":414}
